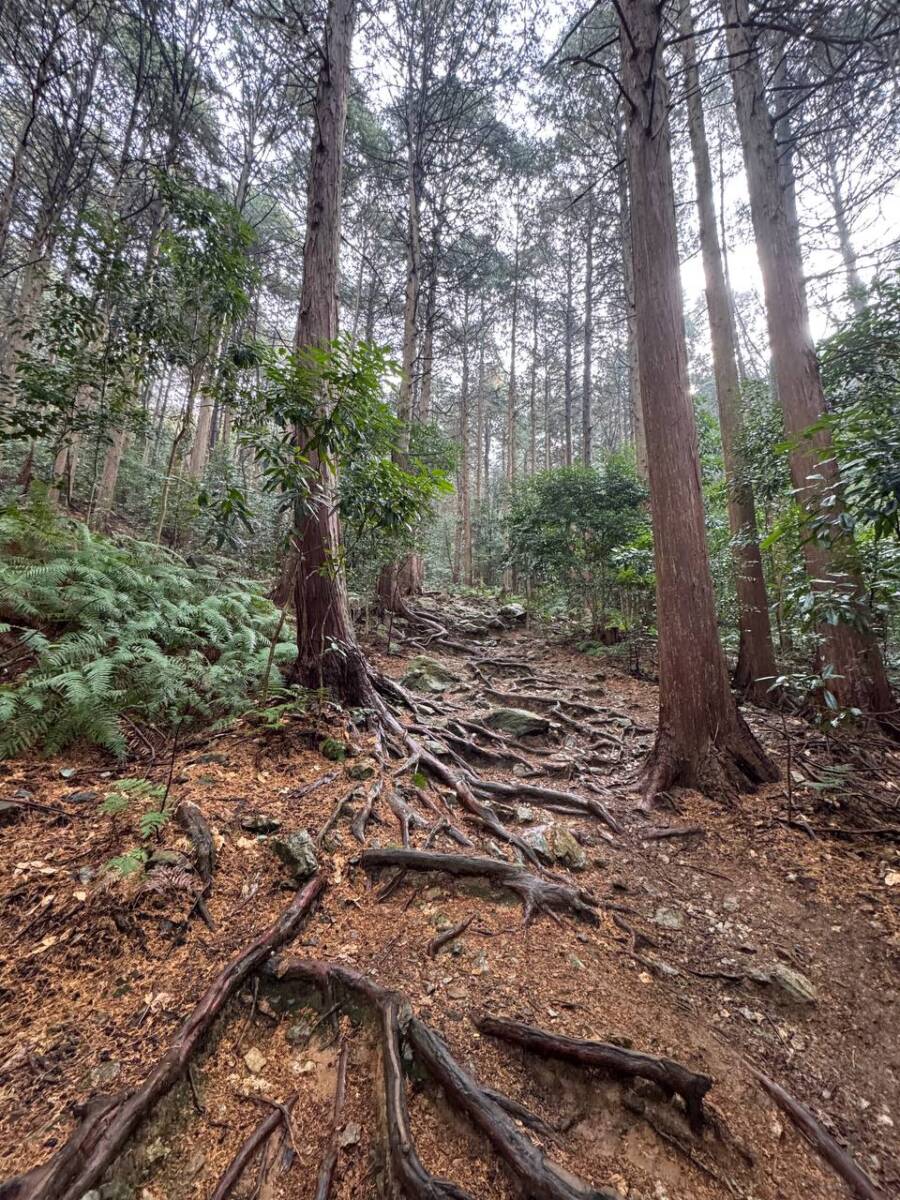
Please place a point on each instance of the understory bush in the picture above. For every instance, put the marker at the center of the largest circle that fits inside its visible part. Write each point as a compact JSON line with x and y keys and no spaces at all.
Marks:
{"x":98,"y":635}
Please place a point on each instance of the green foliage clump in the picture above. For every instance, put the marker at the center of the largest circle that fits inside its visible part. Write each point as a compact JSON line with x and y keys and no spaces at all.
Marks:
{"x":99,"y":634}
{"x":568,"y":527}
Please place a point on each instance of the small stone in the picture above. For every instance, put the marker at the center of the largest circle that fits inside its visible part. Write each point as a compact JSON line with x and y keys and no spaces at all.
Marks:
{"x":794,"y":984}
{"x":298,"y":851}
{"x":67,"y":772}
{"x":298,"y":1034}
{"x":195,"y":1164}
{"x":350,"y":1135}
{"x":524,"y":813}
{"x":511,"y":612}
{"x":220,"y":759}
{"x":334,"y":750}
{"x":731,"y":904}
{"x":85,"y":797}
{"x":260,"y":823}
{"x":536,"y":837}
{"x":668,"y":918}
{"x":520,"y":770}
{"x":255,"y":1060}
{"x":575,"y":961}
{"x":105,"y":1073}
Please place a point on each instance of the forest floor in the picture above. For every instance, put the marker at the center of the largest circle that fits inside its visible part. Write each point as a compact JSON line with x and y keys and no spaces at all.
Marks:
{"x":748,"y":943}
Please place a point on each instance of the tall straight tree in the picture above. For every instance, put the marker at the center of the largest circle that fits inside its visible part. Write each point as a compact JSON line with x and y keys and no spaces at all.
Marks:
{"x":702,"y":737}
{"x":848,"y":646}
{"x":327,"y":652}
{"x":756,"y":657}
{"x":587,"y":382}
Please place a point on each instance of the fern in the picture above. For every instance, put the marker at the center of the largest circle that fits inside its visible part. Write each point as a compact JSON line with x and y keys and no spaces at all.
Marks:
{"x":152,"y":823}
{"x":128,"y":863}
{"x":110,"y":629}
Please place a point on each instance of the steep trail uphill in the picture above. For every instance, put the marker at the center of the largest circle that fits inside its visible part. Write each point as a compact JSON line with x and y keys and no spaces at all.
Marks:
{"x":584,"y":1018}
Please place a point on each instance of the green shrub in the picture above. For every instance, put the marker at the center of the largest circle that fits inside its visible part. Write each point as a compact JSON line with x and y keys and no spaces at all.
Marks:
{"x":119,"y":632}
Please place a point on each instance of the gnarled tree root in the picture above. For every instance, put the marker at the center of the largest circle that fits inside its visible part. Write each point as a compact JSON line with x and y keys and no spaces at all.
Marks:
{"x":107,"y":1127}
{"x":821,"y":1140}
{"x":671,"y":1076}
{"x":540,"y":1178}
{"x":537,"y":894}
{"x":564,"y":802}
{"x":251,"y":1145}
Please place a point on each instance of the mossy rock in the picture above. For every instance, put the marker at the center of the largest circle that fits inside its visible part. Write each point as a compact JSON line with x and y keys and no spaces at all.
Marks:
{"x":424,"y":674}
{"x":518,"y":722}
{"x":333,"y":749}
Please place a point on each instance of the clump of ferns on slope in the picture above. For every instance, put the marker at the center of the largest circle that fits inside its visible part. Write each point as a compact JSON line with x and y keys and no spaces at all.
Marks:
{"x":119,"y":631}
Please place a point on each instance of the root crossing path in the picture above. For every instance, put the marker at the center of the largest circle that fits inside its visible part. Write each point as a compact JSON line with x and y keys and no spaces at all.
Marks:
{"x":503,"y":978}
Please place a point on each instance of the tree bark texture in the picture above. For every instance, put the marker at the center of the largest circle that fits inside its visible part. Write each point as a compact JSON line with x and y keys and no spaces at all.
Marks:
{"x":700,"y":730}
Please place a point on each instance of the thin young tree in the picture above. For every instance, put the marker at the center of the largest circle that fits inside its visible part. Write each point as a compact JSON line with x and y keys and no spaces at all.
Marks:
{"x":702,"y":740}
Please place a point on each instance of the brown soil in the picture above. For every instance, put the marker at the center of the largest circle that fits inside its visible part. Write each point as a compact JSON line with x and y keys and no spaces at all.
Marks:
{"x":97,"y":973}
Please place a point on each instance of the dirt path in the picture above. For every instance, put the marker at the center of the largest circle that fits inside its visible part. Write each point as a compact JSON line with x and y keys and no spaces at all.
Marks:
{"x":746,"y":942}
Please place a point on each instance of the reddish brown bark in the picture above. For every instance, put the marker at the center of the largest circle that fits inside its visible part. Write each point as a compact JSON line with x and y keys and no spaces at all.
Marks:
{"x":755,"y":669}
{"x":327,"y":653}
{"x":700,"y":730}
{"x":849,"y":647}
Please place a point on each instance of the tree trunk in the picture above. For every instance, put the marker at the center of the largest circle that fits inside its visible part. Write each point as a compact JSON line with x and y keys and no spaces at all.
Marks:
{"x":567,"y":382}
{"x":634,"y":372}
{"x":856,"y":289}
{"x":465,"y":516}
{"x":850,"y":649}
{"x":586,"y":424}
{"x":532,"y":400}
{"x":512,"y":399}
{"x":327,"y":652}
{"x":756,"y":669}
{"x":702,"y":741}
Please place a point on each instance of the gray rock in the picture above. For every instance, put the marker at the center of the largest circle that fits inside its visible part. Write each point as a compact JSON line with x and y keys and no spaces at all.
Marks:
{"x":668,"y":918}
{"x":84,"y":797}
{"x":520,"y":770}
{"x":511,"y":612}
{"x":425,"y":674}
{"x":536,"y":837}
{"x":298,"y":852}
{"x":350,"y":1135}
{"x":365,"y":768}
{"x":517,"y":722}
{"x":298,"y":1034}
{"x":524,"y":813}
{"x":258,"y":822}
{"x":105,"y":1073}
{"x":793,"y":984}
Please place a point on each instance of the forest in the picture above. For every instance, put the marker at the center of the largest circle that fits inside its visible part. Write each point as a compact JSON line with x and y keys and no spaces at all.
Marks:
{"x":449,"y":599}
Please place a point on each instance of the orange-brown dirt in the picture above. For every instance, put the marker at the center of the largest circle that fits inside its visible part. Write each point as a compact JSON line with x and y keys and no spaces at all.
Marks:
{"x":97,"y":973}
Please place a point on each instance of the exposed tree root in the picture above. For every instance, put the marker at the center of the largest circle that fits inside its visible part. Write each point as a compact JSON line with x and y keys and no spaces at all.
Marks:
{"x":671,"y":1076}
{"x":819,"y":1137}
{"x":196,"y":826}
{"x":231,"y":1176}
{"x":540,"y":1178}
{"x":109,"y":1124}
{"x":732,"y":762}
{"x":537,"y":894}
{"x":329,"y":1160}
{"x":449,"y":935}
{"x":475,"y":810}
{"x":564,"y":802}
